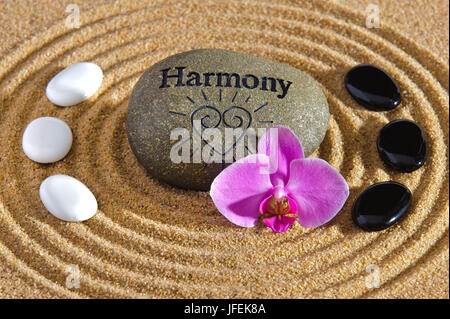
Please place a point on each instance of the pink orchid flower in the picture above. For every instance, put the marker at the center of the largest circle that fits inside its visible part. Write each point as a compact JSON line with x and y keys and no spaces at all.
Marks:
{"x":305,"y":189}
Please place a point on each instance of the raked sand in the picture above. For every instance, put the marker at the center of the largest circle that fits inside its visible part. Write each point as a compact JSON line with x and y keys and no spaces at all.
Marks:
{"x":152,"y":240}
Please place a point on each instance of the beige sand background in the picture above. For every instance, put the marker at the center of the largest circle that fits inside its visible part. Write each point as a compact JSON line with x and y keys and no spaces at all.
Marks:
{"x":151,"y":240}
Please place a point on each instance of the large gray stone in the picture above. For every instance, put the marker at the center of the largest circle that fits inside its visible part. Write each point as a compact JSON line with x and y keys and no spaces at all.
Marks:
{"x":222,"y":89}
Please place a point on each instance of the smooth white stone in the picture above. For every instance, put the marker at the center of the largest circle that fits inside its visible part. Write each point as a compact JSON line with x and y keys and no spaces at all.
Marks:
{"x":74,"y":84}
{"x":47,"y":140}
{"x":67,"y":198}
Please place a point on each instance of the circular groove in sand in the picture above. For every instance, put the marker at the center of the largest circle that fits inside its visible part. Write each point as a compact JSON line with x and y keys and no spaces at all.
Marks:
{"x":338,"y":127}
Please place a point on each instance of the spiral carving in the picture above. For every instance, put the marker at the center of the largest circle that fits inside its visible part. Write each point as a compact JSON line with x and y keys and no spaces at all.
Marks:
{"x":209,"y":117}
{"x":232,"y":118}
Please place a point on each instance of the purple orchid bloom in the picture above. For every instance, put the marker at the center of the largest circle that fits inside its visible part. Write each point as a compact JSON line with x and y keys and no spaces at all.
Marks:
{"x":305,"y":189}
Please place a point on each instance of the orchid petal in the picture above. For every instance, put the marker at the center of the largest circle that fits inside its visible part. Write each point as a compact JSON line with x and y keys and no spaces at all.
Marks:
{"x":288,"y":148}
{"x":240,"y":188}
{"x":318,"y":189}
{"x":279,"y":223}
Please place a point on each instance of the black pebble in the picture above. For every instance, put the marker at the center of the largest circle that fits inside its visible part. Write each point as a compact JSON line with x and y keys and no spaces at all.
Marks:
{"x":401,"y":145}
{"x":373,"y":88}
{"x":381,"y":205}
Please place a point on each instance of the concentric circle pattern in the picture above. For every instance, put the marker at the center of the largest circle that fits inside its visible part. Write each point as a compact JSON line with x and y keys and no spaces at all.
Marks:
{"x":151,"y":240}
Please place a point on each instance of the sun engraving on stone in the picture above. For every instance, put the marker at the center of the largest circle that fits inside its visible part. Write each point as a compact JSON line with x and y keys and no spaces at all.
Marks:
{"x":224,"y":109}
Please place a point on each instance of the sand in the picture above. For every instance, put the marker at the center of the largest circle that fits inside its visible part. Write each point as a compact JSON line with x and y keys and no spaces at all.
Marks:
{"x":152,"y":240}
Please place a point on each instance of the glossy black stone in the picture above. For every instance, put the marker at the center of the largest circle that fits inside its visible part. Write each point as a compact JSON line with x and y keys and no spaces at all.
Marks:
{"x":401,"y":145}
{"x":381,"y":205}
{"x":373,"y":88}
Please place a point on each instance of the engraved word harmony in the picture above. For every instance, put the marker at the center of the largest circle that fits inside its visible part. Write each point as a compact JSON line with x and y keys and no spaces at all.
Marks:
{"x":178,"y":77}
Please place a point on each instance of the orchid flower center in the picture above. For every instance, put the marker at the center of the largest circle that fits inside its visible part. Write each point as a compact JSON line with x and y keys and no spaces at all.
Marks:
{"x":279,"y":206}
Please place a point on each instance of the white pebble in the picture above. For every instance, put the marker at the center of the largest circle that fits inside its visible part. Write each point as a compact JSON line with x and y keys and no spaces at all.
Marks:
{"x":67,"y":198}
{"x":47,"y":140}
{"x":74,"y":84}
